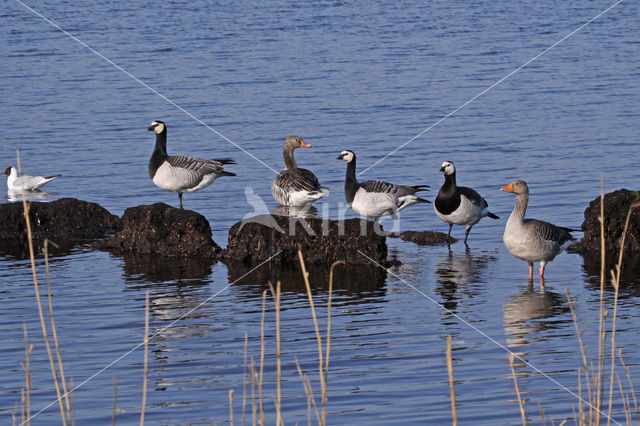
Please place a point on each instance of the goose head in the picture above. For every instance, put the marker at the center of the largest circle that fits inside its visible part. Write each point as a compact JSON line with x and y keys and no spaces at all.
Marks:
{"x":157,"y":126}
{"x":346,"y":156}
{"x":517,"y":187}
{"x":294,"y":142}
{"x":448,"y":168}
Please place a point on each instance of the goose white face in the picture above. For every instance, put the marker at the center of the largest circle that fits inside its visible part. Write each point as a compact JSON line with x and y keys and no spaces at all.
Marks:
{"x":448,"y":168}
{"x":157,"y":127}
{"x":347,"y":156}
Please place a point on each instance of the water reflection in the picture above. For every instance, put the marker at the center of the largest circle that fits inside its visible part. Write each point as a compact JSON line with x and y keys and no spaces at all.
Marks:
{"x":530,"y":312}
{"x":306,"y":212}
{"x":359,"y":281}
{"x":629,"y":279}
{"x":29,"y":195}
{"x":457,"y":272}
{"x":145,"y":268}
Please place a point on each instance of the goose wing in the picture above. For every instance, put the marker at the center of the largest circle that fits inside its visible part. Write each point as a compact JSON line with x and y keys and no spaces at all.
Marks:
{"x":391,"y":188}
{"x":473,"y":196}
{"x":198,"y":165}
{"x":298,"y":180}
{"x":548,"y":231}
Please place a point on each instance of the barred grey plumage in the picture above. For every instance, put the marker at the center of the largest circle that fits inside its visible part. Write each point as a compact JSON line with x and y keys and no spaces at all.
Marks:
{"x":530,"y":239}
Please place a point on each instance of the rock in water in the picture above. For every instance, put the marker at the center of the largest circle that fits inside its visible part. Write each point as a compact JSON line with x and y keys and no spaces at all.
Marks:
{"x":163,"y":230}
{"x":322,"y":241}
{"x":616,"y":207}
{"x":65,"y":222}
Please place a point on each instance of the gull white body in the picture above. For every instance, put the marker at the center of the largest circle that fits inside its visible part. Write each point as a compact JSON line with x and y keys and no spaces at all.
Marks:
{"x":17,"y":183}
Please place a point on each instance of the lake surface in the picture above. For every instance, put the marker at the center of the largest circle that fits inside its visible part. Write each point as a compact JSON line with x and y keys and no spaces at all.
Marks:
{"x":341,"y":76}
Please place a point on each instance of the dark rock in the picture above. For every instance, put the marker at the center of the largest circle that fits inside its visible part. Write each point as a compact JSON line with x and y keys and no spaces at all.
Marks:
{"x":616,"y":207}
{"x":163,"y":230}
{"x":353,"y":241}
{"x":66,"y":222}
{"x":424,"y":238}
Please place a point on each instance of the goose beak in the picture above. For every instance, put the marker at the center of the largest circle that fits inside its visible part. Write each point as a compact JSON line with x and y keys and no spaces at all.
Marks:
{"x":442,"y":169}
{"x":150,"y":128}
{"x":507,"y":188}
{"x":303,"y":144}
{"x":339,"y":157}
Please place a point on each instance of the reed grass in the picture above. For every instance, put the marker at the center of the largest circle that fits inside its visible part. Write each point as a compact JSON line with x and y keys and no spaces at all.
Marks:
{"x":515,"y":383}
{"x":26,"y":405}
{"x":64,"y":413}
{"x":452,"y":394}
{"x":115,"y":399}
{"x":146,"y":359}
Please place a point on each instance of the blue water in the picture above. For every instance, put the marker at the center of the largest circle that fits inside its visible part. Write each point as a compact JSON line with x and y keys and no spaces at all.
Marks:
{"x":342,"y":76}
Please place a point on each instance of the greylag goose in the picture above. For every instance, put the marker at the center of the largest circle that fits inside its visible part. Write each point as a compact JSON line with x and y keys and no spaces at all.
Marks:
{"x":530,"y":239}
{"x":459,"y":205}
{"x":16,"y":183}
{"x":294,"y":186}
{"x":178,"y":173}
{"x":375,"y":198}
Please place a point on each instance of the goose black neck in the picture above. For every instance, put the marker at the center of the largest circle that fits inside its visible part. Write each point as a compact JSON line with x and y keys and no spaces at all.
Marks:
{"x":350,"y":182}
{"x":159,"y":153}
{"x":449,"y":183}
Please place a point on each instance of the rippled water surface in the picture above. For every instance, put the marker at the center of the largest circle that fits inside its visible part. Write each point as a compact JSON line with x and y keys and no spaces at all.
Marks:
{"x":362,"y":77}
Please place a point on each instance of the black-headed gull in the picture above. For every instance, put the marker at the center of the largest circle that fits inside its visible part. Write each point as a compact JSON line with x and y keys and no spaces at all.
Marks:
{"x":16,"y":183}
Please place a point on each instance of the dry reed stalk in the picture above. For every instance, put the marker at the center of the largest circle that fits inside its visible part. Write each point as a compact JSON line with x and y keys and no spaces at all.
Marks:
{"x":244,"y":378}
{"x":146,"y":358}
{"x":73,"y":403}
{"x":26,"y":208}
{"x":278,"y":402}
{"x":616,"y":284}
{"x":54,"y":332}
{"x":311,"y":401}
{"x":115,"y":398}
{"x":452,"y":393}
{"x":542,"y":414}
{"x":262,"y":347}
{"x":254,"y":407}
{"x":323,"y":386}
{"x":231,"y":406}
{"x":328,"y":338}
{"x":515,"y":382}
{"x":633,"y":392}
{"x":27,"y":375}
{"x":601,"y":328}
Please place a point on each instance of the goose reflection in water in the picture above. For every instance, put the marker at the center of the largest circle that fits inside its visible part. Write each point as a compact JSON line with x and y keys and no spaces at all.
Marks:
{"x":531,"y":312}
{"x":305,"y":212}
{"x":457,"y":273}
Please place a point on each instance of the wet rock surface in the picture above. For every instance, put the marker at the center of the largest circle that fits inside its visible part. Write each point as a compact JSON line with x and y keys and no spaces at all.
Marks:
{"x":66,"y":222}
{"x":353,"y":241}
{"x":160,"y":229}
{"x":424,"y":238}
{"x":616,"y":207}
